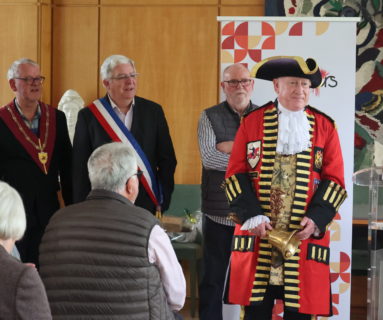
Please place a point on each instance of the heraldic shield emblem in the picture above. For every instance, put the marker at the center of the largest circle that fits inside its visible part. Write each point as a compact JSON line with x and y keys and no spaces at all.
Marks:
{"x":253,"y":153}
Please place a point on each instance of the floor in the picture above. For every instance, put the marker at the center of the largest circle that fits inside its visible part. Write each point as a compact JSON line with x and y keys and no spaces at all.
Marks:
{"x":186,"y":311}
{"x":357,"y":313}
{"x":358,"y":298}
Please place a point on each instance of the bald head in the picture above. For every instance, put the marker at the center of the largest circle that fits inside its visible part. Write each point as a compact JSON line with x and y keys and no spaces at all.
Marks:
{"x":237,"y":86}
{"x":235,"y":68}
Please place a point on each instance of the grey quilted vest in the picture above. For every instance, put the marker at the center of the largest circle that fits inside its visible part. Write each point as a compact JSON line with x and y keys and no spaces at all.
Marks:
{"x":94,"y":262}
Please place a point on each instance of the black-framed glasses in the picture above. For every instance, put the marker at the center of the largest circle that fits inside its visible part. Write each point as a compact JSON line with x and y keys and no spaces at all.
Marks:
{"x":139,"y":174}
{"x":235,"y":83}
{"x":122,"y":77}
{"x":31,"y":80}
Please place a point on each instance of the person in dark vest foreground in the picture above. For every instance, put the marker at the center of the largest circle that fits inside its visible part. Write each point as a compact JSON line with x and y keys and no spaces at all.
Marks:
{"x":105,"y":256}
{"x":216,"y":131}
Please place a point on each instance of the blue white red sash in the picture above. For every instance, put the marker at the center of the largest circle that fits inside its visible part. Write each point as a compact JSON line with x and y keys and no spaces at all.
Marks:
{"x":118,"y":132}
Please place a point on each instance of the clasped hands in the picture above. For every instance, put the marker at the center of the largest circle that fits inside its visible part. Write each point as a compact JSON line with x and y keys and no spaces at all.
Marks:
{"x":308,"y":229}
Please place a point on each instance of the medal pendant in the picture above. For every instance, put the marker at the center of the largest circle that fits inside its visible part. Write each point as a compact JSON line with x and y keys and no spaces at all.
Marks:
{"x":43,"y":157}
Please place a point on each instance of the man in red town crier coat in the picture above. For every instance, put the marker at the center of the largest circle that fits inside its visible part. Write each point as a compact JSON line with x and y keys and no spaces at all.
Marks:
{"x":285,"y":173}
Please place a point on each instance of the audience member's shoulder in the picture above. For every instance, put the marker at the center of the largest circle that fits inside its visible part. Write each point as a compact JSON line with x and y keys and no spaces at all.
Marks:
{"x":144,"y":212}
{"x":13,"y":266}
{"x":315,"y":111}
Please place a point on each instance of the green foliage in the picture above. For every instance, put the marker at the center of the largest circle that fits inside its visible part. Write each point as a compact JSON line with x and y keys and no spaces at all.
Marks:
{"x":336,"y":5}
{"x":376,"y":4}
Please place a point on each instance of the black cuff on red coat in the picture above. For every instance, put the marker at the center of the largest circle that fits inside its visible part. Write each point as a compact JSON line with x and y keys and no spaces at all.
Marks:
{"x":242,"y":198}
{"x":325,"y":203}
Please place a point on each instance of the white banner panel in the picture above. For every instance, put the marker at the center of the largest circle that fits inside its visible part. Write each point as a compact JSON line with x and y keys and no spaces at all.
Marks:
{"x":332,"y":43}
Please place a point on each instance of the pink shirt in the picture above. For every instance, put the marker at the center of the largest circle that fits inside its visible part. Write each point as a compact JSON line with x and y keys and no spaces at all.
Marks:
{"x":161,"y":253}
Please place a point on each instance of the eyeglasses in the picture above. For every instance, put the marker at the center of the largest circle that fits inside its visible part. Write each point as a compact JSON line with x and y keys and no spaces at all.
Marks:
{"x":235,"y":83}
{"x":139,"y":174}
{"x":122,"y":77}
{"x":31,"y":80}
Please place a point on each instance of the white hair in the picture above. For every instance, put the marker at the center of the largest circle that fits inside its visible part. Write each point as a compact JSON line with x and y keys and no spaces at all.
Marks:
{"x":111,"y":165}
{"x":12,"y":215}
{"x":13,"y":71}
{"x":111,"y":62}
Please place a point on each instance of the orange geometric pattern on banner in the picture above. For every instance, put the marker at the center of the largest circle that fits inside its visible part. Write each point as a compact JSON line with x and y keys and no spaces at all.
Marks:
{"x":296,"y":29}
{"x":239,"y":55}
{"x":242,"y":41}
{"x":269,"y":43}
{"x":255,"y":55}
{"x":340,"y":268}
{"x":228,"y":29}
{"x":335,"y":301}
{"x":238,"y":43}
{"x":228,"y":43}
{"x":267,"y":29}
{"x":242,"y":29}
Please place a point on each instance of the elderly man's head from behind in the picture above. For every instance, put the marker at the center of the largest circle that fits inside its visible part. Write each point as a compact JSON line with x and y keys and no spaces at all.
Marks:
{"x":237,"y":86}
{"x":292,"y":79}
{"x":113,"y":167}
{"x":119,"y":77}
{"x":12,"y":215}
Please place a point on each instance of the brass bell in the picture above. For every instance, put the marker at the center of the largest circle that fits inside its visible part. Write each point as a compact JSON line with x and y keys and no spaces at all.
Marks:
{"x":285,"y":241}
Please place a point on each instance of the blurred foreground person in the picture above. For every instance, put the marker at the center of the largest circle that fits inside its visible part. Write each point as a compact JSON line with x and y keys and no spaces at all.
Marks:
{"x":105,"y":257}
{"x":22,"y":294}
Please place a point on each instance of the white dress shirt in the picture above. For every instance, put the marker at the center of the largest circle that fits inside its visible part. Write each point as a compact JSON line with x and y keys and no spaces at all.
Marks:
{"x":161,"y":253}
{"x":127,"y":118}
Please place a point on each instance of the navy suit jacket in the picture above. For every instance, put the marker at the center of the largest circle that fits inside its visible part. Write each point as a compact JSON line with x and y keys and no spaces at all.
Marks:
{"x":149,"y":128}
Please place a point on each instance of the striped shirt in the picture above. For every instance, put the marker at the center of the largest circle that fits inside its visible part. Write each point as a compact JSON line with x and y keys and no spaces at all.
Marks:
{"x":31,"y":124}
{"x":212,"y":158}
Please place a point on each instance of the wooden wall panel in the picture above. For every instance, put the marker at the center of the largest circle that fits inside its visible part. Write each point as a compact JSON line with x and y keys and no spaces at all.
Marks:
{"x":75,"y":52}
{"x":175,"y":49}
{"x":19,"y":2}
{"x":76,"y":2}
{"x":258,"y":3}
{"x":18,"y":39}
{"x":242,"y":10}
{"x":159,"y":2}
{"x":174,"y":43}
{"x":45,"y":48}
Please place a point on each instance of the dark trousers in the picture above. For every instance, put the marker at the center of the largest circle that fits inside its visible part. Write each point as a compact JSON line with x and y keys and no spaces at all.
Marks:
{"x":264,"y":311}
{"x":28,"y":246}
{"x":216,"y":255}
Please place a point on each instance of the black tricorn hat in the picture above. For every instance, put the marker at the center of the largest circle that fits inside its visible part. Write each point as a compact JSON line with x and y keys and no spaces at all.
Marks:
{"x":288,"y":66}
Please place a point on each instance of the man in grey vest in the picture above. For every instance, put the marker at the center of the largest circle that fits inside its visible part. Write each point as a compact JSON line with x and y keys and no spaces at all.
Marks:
{"x":216,"y":131}
{"x":105,"y":257}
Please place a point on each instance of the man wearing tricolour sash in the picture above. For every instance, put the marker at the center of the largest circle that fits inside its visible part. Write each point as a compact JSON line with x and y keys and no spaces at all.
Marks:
{"x":285,"y":173}
{"x":121,"y":116}
{"x":35,"y":153}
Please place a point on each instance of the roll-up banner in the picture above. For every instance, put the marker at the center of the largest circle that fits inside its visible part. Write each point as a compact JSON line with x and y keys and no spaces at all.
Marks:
{"x":332,"y":43}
